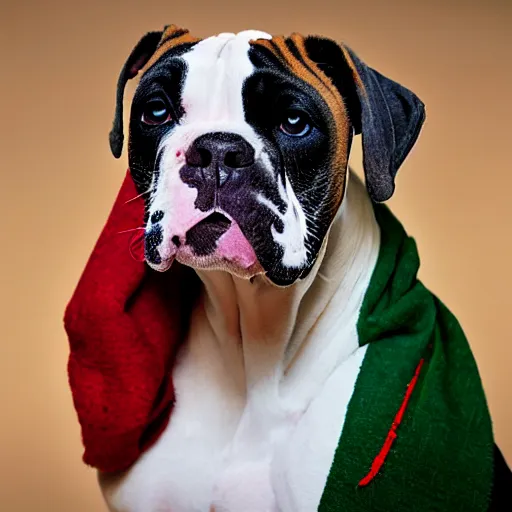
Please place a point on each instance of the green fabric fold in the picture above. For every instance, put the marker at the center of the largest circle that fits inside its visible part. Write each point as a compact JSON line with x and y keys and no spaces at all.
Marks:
{"x":442,"y":456}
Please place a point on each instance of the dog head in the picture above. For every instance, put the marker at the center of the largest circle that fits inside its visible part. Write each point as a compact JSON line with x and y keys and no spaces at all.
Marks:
{"x":240,"y":144}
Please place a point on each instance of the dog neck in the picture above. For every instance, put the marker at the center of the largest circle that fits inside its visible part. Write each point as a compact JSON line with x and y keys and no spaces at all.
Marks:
{"x":264,"y":331}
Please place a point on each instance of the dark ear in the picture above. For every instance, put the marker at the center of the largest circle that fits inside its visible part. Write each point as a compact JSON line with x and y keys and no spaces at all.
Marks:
{"x":135,"y":62}
{"x":388,"y":115}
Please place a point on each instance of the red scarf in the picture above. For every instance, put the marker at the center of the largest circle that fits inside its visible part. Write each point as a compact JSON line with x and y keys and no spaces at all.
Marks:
{"x":123,"y":322}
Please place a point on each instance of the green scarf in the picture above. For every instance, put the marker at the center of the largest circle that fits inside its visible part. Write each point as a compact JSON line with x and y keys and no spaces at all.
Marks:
{"x":442,"y":455}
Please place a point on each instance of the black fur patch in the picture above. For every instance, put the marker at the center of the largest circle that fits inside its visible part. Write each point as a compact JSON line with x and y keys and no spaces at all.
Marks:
{"x":152,"y":240}
{"x":203,"y":237}
{"x":157,"y":216}
{"x":165,"y":80}
{"x":268,"y":93}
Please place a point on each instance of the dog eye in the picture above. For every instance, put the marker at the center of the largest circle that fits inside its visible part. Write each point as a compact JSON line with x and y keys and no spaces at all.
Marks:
{"x":295,"y":124}
{"x":156,"y":112}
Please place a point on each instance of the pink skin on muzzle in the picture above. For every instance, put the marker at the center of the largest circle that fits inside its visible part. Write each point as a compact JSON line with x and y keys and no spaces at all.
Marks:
{"x":233,"y":253}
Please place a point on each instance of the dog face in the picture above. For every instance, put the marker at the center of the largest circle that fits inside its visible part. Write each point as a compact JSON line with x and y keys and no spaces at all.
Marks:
{"x":240,"y":143}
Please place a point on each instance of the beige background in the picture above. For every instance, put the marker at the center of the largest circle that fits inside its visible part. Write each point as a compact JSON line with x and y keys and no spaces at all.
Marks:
{"x":60,"y":62}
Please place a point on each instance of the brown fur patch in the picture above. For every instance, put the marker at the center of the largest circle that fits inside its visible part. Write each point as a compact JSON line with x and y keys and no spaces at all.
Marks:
{"x":304,"y":69}
{"x":355,"y":73}
{"x":172,"y":37}
{"x":309,"y":72}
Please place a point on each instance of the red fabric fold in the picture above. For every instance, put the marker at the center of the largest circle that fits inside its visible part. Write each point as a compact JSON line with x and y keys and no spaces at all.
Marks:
{"x":124,"y":322}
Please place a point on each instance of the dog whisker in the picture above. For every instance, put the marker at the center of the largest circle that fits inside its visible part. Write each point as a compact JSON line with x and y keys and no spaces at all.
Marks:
{"x":320,"y":183}
{"x":131,"y":230}
{"x":139,"y":195}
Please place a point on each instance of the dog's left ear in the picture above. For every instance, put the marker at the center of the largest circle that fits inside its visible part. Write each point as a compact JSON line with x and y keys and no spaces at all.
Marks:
{"x":137,"y":59}
{"x":388,"y":115}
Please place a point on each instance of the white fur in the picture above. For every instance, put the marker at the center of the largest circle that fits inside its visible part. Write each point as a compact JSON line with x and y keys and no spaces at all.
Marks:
{"x":263,"y":383}
{"x":292,"y":238}
{"x":212,"y":99}
{"x":265,"y":375}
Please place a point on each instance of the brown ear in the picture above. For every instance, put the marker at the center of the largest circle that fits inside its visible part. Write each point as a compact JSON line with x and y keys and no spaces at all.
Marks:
{"x":388,"y":115}
{"x":137,"y":59}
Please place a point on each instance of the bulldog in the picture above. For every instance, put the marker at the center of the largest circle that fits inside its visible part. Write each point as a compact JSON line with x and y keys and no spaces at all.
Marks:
{"x":316,"y":372}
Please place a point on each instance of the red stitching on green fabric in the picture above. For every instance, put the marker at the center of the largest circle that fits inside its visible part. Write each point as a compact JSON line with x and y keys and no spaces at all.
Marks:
{"x":379,"y":460}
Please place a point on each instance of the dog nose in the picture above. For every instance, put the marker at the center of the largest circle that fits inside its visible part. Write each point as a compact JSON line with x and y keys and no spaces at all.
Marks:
{"x":220,"y":153}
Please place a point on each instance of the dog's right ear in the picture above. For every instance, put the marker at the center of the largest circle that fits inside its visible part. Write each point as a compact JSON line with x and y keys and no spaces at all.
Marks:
{"x":387,"y":115}
{"x":138,"y":58}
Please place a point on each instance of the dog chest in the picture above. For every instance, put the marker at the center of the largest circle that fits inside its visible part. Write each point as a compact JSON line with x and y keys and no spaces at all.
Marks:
{"x":225,"y":450}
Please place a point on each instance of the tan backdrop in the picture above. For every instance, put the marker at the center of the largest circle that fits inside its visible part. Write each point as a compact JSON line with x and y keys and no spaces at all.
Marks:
{"x":60,"y":61}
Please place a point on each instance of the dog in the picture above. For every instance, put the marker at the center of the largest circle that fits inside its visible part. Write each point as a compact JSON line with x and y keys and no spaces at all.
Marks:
{"x":239,"y":144}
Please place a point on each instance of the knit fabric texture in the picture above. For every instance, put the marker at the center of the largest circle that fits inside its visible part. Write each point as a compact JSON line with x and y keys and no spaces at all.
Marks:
{"x":441,"y":456}
{"x":125,"y":321}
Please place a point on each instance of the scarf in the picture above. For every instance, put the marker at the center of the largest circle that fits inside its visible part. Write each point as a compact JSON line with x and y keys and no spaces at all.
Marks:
{"x":417,"y":434}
